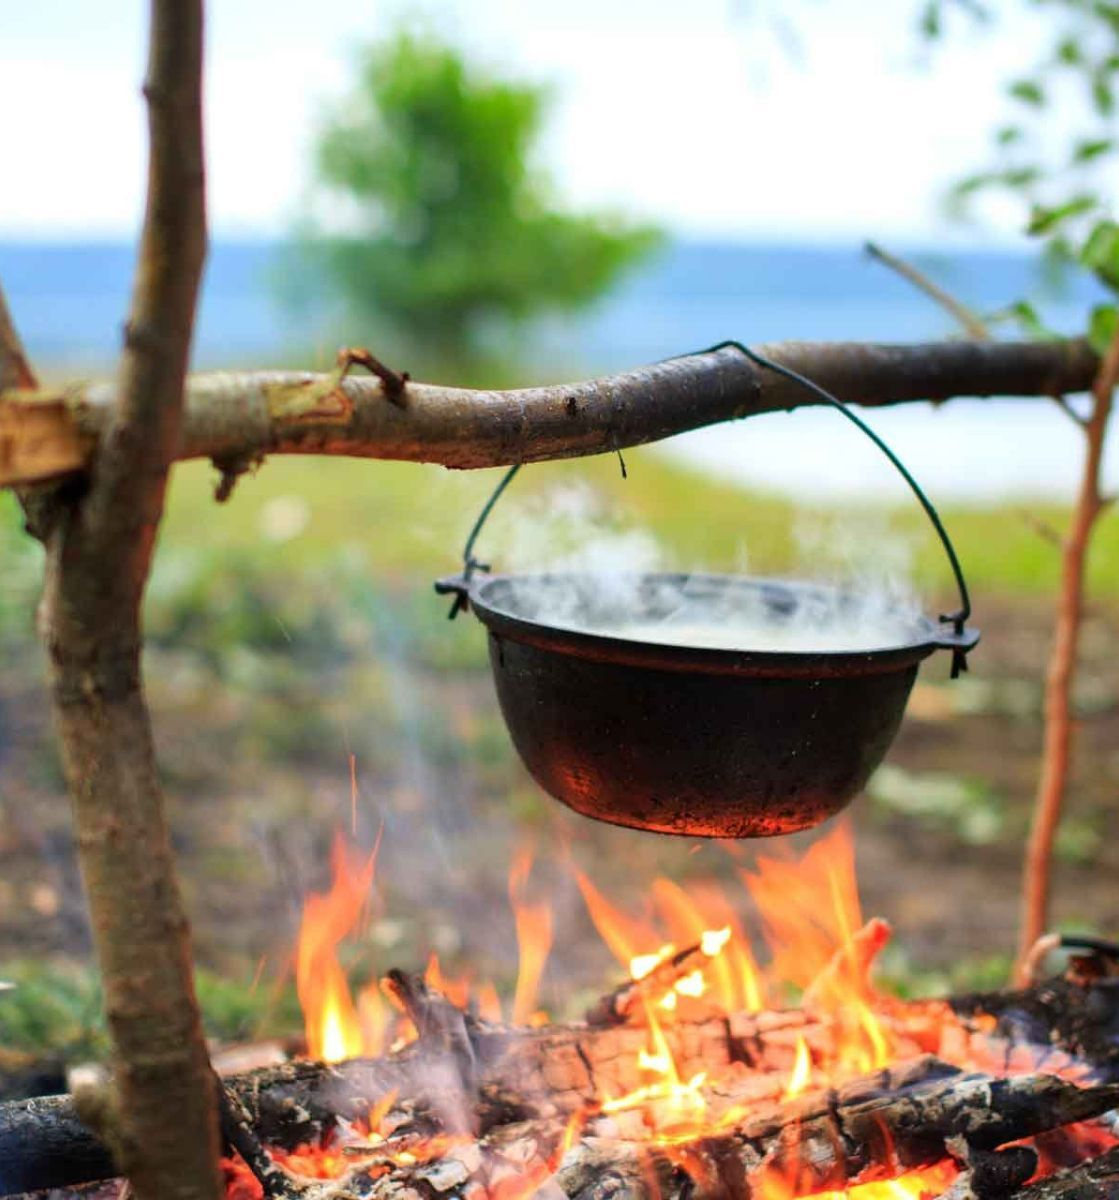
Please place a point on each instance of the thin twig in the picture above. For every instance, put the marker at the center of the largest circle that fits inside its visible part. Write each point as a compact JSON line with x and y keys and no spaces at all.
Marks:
{"x":1061,"y":673}
{"x":1079,"y":421}
{"x":1042,"y":528}
{"x":15,"y":369}
{"x":236,"y":1128}
{"x":971,"y":323}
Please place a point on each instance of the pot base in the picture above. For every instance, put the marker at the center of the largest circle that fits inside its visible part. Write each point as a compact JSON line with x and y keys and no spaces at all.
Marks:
{"x":697,"y":755}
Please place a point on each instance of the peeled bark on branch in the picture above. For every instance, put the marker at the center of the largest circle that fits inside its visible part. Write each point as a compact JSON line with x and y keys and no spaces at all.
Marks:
{"x":238,"y":418}
{"x":827,"y":1141}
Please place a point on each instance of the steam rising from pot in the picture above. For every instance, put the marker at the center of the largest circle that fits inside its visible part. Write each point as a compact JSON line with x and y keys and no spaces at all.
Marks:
{"x":573,"y":570}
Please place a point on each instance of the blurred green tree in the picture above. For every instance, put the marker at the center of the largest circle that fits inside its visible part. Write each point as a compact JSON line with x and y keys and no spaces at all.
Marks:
{"x":452,"y":237}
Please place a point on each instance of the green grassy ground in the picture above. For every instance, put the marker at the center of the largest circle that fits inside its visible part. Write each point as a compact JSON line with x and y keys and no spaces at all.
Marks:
{"x":405,"y":519}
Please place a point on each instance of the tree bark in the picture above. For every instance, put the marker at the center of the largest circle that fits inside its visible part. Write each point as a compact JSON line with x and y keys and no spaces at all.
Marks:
{"x":1061,"y":672}
{"x":237,"y":419}
{"x":99,"y":533}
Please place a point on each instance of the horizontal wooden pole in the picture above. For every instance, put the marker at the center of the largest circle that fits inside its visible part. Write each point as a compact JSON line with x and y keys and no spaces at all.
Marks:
{"x":236,"y":418}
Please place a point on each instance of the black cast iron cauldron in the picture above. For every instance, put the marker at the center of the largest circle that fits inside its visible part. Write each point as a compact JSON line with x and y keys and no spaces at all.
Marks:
{"x":692,"y":739}
{"x":688,"y":737}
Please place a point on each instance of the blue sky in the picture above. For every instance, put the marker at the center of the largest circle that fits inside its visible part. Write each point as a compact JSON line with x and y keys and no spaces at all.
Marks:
{"x":694,"y":114}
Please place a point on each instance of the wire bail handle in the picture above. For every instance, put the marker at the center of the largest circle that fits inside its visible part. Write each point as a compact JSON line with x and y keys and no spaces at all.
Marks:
{"x":460,"y":585}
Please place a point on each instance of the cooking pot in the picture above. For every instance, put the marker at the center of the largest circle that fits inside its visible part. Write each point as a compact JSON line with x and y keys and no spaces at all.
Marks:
{"x":629,"y":699}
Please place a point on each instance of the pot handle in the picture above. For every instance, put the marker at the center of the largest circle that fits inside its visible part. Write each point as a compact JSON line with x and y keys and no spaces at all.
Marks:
{"x":958,"y":639}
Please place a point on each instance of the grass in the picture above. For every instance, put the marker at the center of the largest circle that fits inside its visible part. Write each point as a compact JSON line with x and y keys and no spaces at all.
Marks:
{"x":406,"y":522}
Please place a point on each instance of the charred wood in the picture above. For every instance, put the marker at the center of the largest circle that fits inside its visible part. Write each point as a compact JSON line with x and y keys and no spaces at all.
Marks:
{"x":1097,"y":1179}
{"x":542,"y":1075}
{"x":1067,"y":1016}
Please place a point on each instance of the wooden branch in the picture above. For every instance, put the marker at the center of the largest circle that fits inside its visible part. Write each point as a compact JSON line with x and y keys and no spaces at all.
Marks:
{"x":236,"y":419}
{"x":970,"y":322}
{"x":1098,"y":1178}
{"x":1061,"y":672}
{"x":15,"y":369}
{"x":617,"y":1006}
{"x":160,"y":1117}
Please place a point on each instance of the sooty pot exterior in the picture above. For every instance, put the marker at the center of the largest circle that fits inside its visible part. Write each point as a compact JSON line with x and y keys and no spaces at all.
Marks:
{"x":729,"y":755}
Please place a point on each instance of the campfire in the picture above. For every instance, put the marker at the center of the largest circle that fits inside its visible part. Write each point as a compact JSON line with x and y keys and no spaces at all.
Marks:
{"x":694,"y":1076}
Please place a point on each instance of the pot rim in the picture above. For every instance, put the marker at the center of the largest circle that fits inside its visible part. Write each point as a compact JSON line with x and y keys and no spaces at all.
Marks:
{"x":502,"y":621}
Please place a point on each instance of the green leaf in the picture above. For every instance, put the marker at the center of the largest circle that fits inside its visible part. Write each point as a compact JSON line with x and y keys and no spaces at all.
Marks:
{"x":1069,"y":52}
{"x":930,"y":22}
{"x":971,"y":184}
{"x":1026,"y":317}
{"x":1018,"y":177}
{"x":1028,"y":91}
{"x":1101,"y":330}
{"x":1103,"y":97}
{"x":1090,"y":149}
{"x":1045,"y":220}
{"x":1100,"y":253}
{"x":1009,"y":135}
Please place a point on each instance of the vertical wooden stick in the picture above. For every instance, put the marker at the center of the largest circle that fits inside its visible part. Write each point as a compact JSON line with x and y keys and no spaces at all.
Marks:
{"x":160,"y":1116}
{"x":1061,"y":672}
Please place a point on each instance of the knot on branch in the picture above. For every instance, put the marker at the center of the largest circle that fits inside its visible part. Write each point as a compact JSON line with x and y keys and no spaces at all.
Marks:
{"x":231,"y":467}
{"x":142,"y":337}
{"x":107,"y":673}
{"x":392,"y":382}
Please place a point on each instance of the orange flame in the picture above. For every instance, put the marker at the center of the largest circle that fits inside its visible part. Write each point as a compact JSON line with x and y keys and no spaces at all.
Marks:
{"x":802,"y":1071}
{"x":333,"y":1027}
{"x":455,"y":988}
{"x":628,"y":939}
{"x":813,"y":923}
{"x":534,"y":938}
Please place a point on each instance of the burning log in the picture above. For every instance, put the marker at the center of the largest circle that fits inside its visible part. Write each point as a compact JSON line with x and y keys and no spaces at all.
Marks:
{"x":43,"y":1144}
{"x":522,"y":1073}
{"x":876,"y":1128}
{"x":1096,"y":1179}
{"x":618,"y":1006}
{"x":1067,"y":1016}
{"x":505,"y":1077}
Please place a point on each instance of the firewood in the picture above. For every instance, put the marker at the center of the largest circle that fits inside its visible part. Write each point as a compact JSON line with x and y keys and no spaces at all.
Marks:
{"x":627,"y":999}
{"x":550,"y":1072}
{"x":875,"y":1128}
{"x":1096,"y":1179}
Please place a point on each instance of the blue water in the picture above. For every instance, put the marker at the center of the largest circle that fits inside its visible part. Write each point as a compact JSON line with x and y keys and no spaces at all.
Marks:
{"x":69,"y":300}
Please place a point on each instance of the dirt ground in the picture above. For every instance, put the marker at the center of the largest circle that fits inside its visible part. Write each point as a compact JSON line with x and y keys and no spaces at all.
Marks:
{"x":939,"y":838}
